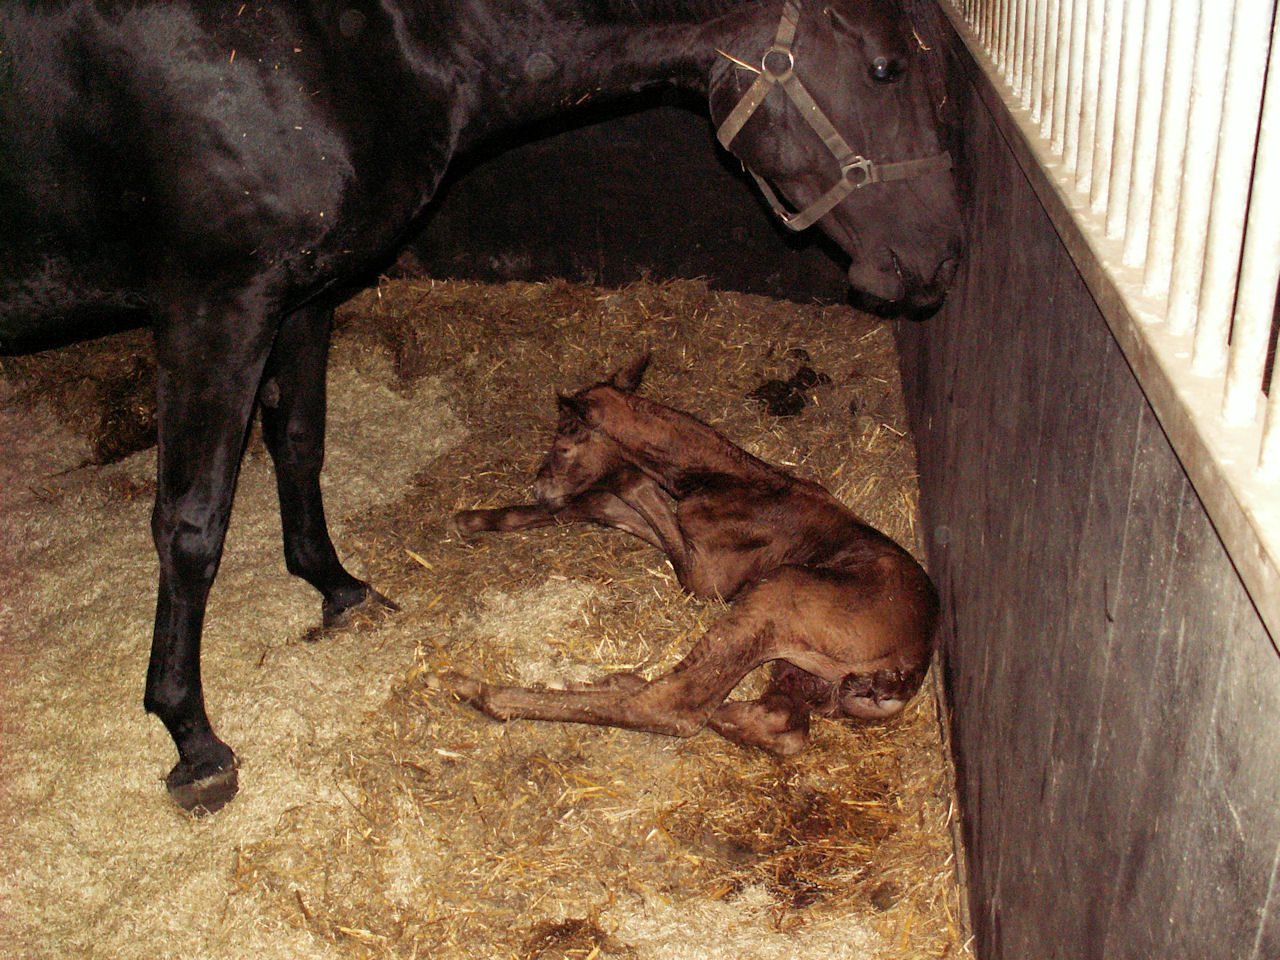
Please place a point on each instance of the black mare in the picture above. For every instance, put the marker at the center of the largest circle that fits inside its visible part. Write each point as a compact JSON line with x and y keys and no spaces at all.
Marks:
{"x":225,"y":172}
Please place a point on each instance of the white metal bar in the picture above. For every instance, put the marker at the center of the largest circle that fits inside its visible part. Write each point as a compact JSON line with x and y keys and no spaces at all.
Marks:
{"x":1029,"y":87}
{"x":1019,"y":73}
{"x":1075,"y":85}
{"x":1089,"y":101}
{"x":995,"y":14}
{"x":1047,"y":45}
{"x":1108,"y":92}
{"x":1155,"y":45}
{"x":1259,"y":279}
{"x":1212,"y":64}
{"x":1172,"y":147}
{"x":1126,"y":117}
{"x":1269,"y":455}
{"x":1062,"y":47}
{"x":1006,"y":39}
{"x":1057,"y":138}
{"x":1242,"y":103}
{"x":1037,"y":25}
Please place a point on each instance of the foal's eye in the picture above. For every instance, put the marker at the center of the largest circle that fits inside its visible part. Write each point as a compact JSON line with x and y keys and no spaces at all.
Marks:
{"x":884,"y":70}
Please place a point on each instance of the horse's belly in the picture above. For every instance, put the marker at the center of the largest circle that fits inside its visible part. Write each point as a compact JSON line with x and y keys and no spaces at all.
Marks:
{"x":50,"y":303}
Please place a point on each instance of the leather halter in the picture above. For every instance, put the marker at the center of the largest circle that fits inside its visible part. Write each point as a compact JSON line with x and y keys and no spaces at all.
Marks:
{"x":777,"y":67}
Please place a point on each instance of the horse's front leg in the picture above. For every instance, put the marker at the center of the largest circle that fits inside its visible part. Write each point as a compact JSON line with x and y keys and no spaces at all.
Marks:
{"x":208,"y":375}
{"x":293,"y":424}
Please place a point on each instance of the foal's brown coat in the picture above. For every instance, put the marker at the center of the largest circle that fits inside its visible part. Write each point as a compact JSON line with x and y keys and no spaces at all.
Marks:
{"x":845,"y":612}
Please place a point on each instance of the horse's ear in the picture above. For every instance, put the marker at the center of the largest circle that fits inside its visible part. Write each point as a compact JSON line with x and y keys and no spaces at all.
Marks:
{"x":837,"y":19}
{"x":841,"y":22}
{"x":627,"y":379}
{"x":572,"y":409}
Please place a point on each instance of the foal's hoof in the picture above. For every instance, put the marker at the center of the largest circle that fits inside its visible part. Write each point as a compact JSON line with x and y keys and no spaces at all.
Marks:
{"x":470,"y":691}
{"x":465,"y":688}
{"x":465,"y":524}
{"x":205,"y":794}
{"x":369,"y":611}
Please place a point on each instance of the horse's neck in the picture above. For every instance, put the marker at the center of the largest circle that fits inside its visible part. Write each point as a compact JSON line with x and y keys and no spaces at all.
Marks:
{"x":528,"y":60}
{"x":677,"y":449}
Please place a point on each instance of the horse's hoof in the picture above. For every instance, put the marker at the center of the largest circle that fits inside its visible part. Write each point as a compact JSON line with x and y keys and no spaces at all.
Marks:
{"x":206,"y":794}
{"x":369,"y":611}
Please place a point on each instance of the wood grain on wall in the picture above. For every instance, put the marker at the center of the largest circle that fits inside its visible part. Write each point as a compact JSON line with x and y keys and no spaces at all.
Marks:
{"x":1115,"y":698}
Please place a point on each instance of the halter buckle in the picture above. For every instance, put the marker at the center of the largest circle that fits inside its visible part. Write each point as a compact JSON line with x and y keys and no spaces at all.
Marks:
{"x":859,"y":172}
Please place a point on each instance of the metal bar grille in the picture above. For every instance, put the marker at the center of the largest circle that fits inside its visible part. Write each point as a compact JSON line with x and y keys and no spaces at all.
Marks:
{"x":1157,"y":122}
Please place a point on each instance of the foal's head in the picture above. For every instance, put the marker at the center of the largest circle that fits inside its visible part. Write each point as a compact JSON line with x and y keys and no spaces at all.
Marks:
{"x":582,"y":455}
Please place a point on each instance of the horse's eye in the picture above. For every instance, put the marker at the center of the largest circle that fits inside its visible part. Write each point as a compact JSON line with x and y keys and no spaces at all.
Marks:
{"x":884,"y":70}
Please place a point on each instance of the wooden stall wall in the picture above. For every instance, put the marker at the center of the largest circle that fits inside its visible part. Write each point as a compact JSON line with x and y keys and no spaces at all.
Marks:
{"x":1114,"y":698}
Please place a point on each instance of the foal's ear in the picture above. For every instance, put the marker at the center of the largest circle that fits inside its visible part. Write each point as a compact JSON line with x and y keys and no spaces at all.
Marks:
{"x":573,"y":409}
{"x":627,"y":379}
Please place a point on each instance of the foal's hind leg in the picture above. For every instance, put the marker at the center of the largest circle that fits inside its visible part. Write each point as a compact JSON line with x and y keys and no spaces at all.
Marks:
{"x":293,"y":423}
{"x":775,"y":723}
{"x":679,"y":703}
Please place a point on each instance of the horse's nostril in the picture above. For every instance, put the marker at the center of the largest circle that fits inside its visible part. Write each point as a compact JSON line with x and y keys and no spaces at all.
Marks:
{"x":946,"y":273}
{"x":897,"y":266}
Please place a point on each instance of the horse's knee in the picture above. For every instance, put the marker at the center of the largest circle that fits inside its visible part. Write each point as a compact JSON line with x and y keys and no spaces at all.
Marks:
{"x":776,"y":724}
{"x":188,"y":551}
{"x":475,"y":693}
{"x":646,"y":711}
{"x":467,"y":523}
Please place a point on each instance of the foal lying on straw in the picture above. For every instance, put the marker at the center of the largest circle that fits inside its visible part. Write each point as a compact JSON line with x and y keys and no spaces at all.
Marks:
{"x":846,"y":615}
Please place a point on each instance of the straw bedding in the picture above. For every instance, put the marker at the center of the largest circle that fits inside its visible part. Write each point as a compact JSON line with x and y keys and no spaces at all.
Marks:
{"x":378,"y":817}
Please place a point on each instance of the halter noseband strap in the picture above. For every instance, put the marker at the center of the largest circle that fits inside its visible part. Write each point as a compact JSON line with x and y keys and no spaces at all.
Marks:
{"x":777,"y":67}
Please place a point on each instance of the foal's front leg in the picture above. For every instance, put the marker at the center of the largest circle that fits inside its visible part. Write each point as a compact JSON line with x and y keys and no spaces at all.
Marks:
{"x":597,"y":506}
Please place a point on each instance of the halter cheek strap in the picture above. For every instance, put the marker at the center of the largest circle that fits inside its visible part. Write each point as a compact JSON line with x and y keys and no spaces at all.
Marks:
{"x":777,"y":68}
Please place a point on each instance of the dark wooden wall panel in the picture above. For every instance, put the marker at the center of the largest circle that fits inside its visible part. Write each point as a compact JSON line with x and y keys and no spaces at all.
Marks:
{"x":1115,"y":699}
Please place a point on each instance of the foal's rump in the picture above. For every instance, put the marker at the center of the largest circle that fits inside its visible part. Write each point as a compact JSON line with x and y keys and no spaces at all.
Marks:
{"x":853,"y":642}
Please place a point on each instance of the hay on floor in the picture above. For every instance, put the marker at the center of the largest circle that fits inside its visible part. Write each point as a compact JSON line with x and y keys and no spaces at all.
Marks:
{"x":440,"y":833}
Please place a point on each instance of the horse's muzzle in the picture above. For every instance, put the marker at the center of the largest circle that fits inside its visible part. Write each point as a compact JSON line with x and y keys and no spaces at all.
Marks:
{"x":897,"y":289}
{"x":548,"y":493}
